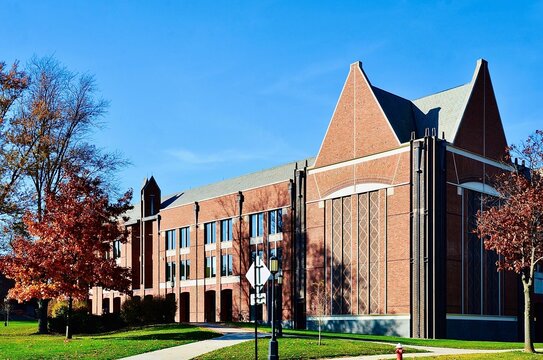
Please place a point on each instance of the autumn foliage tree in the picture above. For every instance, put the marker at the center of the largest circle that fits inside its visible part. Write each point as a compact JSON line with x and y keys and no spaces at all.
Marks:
{"x":47,"y":114}
{"x":515,"y":228}
{"x":65,"y":257}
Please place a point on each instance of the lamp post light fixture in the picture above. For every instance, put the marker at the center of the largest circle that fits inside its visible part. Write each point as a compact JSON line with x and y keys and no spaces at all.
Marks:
{"x":273,"y":350}
{"x":280,"y":304}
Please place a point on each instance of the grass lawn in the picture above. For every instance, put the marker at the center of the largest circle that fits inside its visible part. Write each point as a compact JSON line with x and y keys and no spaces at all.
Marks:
{"x":448,"y":343}
{"x":302,"y":348}
{"x":20,"y":341}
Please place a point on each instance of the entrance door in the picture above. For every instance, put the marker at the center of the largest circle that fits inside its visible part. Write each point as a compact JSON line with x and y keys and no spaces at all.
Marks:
{"x":184,"y":306}
{"x":209,"y":306}
{"x":226,"y":305}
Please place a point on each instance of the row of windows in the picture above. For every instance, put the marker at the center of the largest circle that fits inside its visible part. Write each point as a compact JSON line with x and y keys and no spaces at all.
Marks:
{"x":275,"y":222}
{"x":256,"y":223}
{"x":184,"y":270}
{"x":227,"y":268}
{"x":171,"y":242}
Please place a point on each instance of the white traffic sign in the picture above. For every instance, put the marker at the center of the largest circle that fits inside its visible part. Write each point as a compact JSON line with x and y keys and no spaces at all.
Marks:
{"x":262,"y":273}
{"x":260,"y":298}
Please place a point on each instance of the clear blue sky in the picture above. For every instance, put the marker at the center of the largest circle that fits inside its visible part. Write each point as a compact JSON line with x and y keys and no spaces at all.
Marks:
{"x":206,"y":90}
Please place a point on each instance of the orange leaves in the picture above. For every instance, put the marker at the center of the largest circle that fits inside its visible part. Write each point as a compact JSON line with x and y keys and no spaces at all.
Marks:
{"x":515,"y":228}
{"x":77,"y":227}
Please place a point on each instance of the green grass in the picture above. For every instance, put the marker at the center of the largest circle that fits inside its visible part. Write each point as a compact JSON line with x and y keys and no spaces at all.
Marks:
{"x":302,"y":348}
{"x":447,"y":343}
{"x":20,"y":341}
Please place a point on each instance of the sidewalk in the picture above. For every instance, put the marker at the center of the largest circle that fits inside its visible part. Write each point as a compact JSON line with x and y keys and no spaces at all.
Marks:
{"x":232,"y":336}
{"x":432,"y":351}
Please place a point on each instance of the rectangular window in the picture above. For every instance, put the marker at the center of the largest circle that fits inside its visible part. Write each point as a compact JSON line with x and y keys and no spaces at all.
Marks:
{"x":210,"y":270}
{"x":170,"y":271}
{"x":185,"y":237}
{"x":116,"y":249}
{"x":209,"y":233}
{"x":226,"y":230}
{"x":257,"y":225}
{"x":275,"y":225}
{"x":184,"y":269}
{"x":170,"y":240}
{"x":226,"y":265}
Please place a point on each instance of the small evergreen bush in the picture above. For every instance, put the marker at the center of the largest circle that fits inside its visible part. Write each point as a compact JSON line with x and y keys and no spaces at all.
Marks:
{"x":150,"y":310}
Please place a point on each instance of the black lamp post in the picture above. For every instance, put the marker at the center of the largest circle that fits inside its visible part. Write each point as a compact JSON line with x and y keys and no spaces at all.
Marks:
{"x":280,"y":305}
{"x":273,"y":350}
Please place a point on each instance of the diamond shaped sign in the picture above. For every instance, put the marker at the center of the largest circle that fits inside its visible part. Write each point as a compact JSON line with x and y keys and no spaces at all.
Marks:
{"x":262,"y":273}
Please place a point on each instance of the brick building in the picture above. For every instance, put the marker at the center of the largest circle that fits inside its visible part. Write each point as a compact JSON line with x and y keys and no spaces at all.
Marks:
{"x":383,"y":215}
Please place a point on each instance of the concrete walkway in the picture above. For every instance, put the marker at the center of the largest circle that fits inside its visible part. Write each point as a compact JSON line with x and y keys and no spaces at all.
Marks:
{"x":231,"y":336}
{"x":432,"y":351}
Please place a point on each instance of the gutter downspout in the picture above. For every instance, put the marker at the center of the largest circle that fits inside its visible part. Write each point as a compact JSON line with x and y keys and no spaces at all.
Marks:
{"x":196,"y":211}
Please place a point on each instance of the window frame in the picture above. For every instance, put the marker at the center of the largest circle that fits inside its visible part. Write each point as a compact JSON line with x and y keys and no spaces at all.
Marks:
{"x":275,"y":226}
{"x":256,"y":225}
{"x":170,"y":239}
{"x":210,"y":233}
{"x":184,"y":235}
{"x":229,"y":235}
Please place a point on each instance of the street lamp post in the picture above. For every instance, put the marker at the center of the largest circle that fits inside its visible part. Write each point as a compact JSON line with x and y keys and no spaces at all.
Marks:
{"x":6,"y":309}
{"x":279,"y":304}
{"x":273,"y":350}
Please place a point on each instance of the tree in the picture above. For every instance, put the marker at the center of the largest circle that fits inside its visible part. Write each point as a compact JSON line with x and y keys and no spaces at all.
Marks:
{"x":46,"y":133}
{"x":13,"y":83}
{"x":515,"y":228}
{"x":6,"y":307}
{"x":66,"y":258}
{"x":318,"y":304}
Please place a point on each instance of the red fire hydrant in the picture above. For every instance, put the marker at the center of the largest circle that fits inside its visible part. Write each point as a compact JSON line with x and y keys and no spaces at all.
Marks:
{"x":399,"y":352}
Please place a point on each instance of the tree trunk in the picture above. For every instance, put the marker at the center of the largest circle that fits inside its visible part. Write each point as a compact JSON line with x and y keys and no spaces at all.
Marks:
{"x":42,"y":316}
{"x":528,"y":341}
{"x":319,"y":332}
{"x":69,"y":319}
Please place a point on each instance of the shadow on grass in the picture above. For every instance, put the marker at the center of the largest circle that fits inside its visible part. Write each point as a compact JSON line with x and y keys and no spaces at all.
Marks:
{"x":186,"y":336}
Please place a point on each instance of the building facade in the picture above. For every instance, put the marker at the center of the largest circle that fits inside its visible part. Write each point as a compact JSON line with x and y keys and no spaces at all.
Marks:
{"x":383,"y":216}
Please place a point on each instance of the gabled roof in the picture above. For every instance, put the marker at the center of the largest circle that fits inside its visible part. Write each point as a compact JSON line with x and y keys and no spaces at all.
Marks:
{"x":442,"y":111}
{"x":229,"y":186}
{"x":399,"y":112}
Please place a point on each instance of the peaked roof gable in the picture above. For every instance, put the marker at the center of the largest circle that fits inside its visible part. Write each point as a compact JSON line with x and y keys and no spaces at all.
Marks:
{"x":480,"y":129}
{"x":359,"y":126}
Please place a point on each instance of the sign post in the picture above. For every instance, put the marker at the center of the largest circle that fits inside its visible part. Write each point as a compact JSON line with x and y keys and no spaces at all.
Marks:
{"x":257,"y":275}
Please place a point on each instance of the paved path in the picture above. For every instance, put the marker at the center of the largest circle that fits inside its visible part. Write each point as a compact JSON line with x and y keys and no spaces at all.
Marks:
{"x":433,"y":351}
{"x":232,"y":336}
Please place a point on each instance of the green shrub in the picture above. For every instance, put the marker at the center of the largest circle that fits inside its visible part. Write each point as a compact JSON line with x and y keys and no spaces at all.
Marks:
{"x":85,"y":323}
{"x":60,"y":307}
{"x":155,"y":310}
{"x":132,"y":311}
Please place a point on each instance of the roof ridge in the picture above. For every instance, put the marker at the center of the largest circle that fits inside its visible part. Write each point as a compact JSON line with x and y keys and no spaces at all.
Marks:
{"x":441,"y":91}
{"x":247,"y":174}
{"x":388,"y":92}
